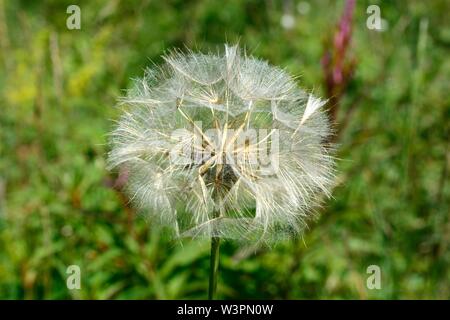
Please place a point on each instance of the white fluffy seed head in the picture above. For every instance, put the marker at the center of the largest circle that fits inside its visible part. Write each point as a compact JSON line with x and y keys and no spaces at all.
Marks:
{"x":257,"y":161}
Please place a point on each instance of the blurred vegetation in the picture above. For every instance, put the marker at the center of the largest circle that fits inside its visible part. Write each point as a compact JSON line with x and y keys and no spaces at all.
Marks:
{"x":57,"y":207}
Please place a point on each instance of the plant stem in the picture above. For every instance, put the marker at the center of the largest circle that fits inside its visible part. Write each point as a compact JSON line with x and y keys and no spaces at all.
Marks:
{"x":214,"y":267}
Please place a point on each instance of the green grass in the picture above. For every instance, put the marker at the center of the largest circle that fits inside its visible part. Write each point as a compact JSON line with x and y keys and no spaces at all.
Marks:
{"x":58,"y":90}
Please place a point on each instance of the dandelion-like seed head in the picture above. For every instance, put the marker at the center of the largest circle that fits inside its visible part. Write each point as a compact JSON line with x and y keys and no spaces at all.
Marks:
{"x":223,"y":145}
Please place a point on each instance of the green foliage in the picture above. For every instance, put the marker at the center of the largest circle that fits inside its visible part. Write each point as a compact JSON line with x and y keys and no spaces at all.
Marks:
{"x":58,"y":89}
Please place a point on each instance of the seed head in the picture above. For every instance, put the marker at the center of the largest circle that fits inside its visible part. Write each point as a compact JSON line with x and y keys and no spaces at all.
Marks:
{"x":223,"y":145}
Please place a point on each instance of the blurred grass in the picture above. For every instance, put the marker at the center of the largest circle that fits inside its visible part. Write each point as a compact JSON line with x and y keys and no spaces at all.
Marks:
{"x":58,"y":89}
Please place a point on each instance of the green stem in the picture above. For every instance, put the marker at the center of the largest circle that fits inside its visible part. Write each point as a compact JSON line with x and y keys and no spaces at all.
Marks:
{"x":214,"y":267}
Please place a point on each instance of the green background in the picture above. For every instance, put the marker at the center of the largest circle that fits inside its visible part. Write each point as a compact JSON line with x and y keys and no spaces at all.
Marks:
{"x":58,"y":89}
